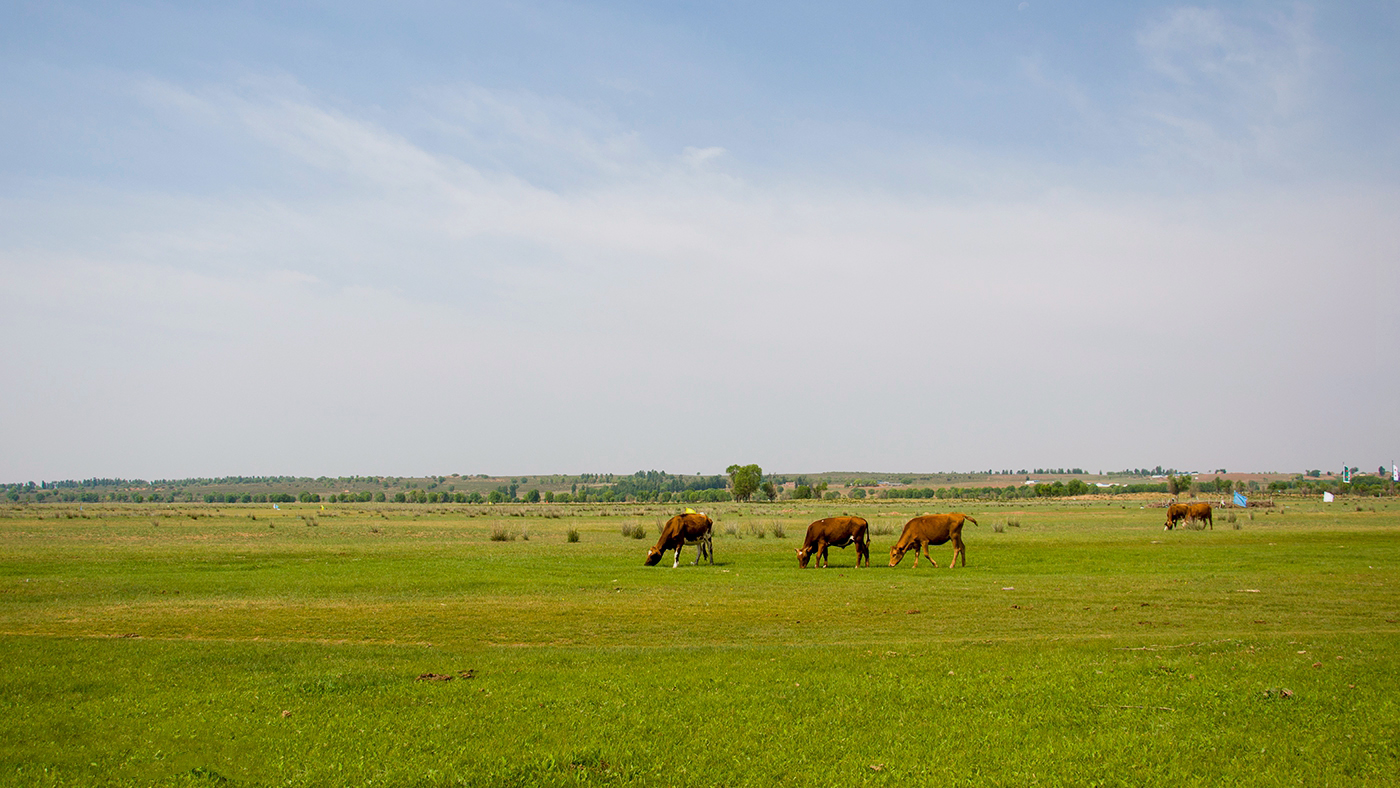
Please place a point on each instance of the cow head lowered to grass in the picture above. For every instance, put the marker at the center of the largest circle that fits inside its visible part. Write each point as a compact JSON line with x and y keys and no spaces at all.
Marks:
{"x":835,"y":532}
{"x":931,"y":529}
{"x":690,"y":528}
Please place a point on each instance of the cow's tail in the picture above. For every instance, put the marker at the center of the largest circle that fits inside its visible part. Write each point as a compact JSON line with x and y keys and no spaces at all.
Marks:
{"x":974,"y":522}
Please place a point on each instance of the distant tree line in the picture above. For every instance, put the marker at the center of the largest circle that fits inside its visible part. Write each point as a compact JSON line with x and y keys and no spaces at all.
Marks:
{"x":1380,"y":484}
{"x":1056,"y":489}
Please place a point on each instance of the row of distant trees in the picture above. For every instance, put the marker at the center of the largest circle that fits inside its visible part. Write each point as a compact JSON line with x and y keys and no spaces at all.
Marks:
{"x":741,"y":483}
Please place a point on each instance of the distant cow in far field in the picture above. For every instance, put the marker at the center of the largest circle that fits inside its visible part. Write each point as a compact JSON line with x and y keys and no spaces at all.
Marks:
{"x":690,"y":528}
{"x":931,"y":529}
{"x":1200,"y":512}
{"x":1175,"y":514}
{"x":835,"y":532}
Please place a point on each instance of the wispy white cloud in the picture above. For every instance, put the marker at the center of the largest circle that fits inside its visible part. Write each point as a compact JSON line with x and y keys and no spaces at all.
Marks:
{"x":668,"y":311}
{"x":698,"y":157}
{"x":1236,"y":90}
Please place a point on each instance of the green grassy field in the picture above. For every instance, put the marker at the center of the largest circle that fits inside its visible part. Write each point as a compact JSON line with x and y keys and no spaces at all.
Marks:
{"x":232,"y":645}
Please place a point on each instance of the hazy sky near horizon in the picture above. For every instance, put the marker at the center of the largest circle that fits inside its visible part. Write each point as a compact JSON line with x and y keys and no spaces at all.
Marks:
{"x":533,"y":237}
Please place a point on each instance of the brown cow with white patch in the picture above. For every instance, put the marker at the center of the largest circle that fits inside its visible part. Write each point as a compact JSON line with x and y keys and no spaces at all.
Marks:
{"x":931,"y":529}
{"x":835,"y":532}
{"x":1176,"y":513}
{"x":690,"y":528}
{"x":1200,"y":512}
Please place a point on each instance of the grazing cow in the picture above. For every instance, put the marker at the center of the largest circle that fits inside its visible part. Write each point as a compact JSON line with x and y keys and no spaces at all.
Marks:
{"x":835,"y":532}
{"x":683,"y":529}
{"x":931,"y":529}
{"x":1176,"y":513}
{"x":1200,"y":512}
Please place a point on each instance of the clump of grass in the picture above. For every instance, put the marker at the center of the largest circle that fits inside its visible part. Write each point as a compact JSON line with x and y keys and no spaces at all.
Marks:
{"x":883,"y":529}
{"x":1013,"y":522}
{"x":524,"y":534}
{"x":778,"y":532}
{"x":1230,"y":518}
{"x":732,"y":530}
{"x":572,"y":535}
{"x":500,"y":534}
{"x":758,"y":529}
{"x":634,"y":529}
{"x":998,"y":528}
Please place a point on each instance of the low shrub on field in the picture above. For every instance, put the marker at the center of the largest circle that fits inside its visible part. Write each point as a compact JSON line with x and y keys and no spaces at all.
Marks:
{"x":732,"y":530}
{"x":883,"y":529}
{"x":500,"y":534}
{"x":998,"y":528}
{"x":572,"y":535}
{"x":634,"y":530}
{"x":778,"y":532}
{"x":758,"y":529}
{"x":1013,"y":522}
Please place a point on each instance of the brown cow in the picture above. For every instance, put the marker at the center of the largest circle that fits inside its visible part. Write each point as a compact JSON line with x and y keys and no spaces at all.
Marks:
{"x":1200,"y":512}
{"x":690,"y":528}
{"x":1176,"y":513}
{"x":931,"y":529}
{"x":835,"y":532}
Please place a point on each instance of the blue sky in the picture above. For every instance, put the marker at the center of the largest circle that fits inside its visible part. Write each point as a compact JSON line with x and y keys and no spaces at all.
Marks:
{"x":564,"y":237}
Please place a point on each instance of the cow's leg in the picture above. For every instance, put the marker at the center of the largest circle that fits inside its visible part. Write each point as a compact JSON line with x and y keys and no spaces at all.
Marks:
{"x":862,"y":551}
{"x":958,"y":552}
{"x":678,"y":555}
{"x":929,"y":557}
